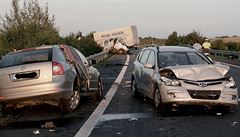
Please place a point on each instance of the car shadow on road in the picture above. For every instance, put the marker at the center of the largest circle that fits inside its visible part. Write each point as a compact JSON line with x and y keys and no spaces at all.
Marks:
{"x":34,"y":117}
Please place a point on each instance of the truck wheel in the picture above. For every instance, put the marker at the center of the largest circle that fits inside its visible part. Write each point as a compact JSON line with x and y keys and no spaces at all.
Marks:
{"x":69,"y":105}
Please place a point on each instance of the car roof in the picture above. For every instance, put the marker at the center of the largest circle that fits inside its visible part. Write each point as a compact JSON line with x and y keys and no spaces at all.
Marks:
{"x":172,"y":48}
{"x":35,"y":48}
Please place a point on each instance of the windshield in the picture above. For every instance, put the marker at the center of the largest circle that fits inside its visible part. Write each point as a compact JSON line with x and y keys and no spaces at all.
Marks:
{"x":166,"y":59}
{"x":26,"y":57}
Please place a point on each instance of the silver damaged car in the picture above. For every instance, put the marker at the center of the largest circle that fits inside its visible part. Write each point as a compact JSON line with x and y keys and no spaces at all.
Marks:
{"x":174,"y":75}
{"x":54,"y":74}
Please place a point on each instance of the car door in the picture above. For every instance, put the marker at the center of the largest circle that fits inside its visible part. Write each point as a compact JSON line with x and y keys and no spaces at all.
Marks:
{"x":92,"y":73}
{"x":148,"y":74}
{"x":137,"y":68}
{"x":143,"y":60}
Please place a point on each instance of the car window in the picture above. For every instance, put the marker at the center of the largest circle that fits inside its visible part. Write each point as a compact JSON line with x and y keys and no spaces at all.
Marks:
{"x":59,"y":56}
{"x":180,"y":58}
{"x":196,"y":58}
{"x":139,"y":56}
{"x":144,"y":57}
{"x":26,"y":57}
{"x":151,"y":58}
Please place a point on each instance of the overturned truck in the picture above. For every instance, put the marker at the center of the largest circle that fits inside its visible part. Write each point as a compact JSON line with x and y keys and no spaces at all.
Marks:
{"x":118,"y":40}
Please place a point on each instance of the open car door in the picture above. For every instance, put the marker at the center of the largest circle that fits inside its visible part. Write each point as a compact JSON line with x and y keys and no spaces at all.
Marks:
{"x":76,"y":60}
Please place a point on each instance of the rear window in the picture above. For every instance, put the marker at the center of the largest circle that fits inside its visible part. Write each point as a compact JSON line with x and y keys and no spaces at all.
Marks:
{"x":26,"y":57}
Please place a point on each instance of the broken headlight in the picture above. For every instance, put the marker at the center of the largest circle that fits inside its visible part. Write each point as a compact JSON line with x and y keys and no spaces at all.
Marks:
{"x":230,"y":83}
{"x":170,"y":82}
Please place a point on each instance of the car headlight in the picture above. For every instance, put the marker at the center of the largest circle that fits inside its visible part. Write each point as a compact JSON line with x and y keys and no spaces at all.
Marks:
{"x":230,"y":84}
{"x":170,"y":82}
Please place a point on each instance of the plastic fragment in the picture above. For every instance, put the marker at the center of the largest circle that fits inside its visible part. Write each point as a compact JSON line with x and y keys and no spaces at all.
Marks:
{"x":49,"y":125}
{"x":119,"y":133}
{"x":133,"y":119}
{"x":234,"y":123}
{"x":36,"y":132}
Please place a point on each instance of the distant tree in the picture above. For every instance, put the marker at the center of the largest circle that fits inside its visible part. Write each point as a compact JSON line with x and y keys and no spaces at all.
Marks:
{"x":27,"y":26}
{"x":194,"y":37}
{"x":218,"y":45}
{"x":233,"y":46}
{"x":190,"y":39}
{"x":85,"y":44}
{"x":173,"y":39}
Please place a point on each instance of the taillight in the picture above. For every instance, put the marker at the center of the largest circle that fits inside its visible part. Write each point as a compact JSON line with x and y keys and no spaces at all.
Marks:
{"x":57,"y":68}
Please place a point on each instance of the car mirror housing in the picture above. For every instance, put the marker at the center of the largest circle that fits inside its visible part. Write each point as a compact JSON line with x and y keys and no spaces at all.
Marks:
{"x":93,"y":62}
{"x":148,"y":66}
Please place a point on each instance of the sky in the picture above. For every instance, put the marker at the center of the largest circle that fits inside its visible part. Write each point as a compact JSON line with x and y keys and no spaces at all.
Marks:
{"x":156,"y":18}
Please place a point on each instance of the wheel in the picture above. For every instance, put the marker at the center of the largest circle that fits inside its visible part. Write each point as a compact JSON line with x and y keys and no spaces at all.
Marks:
{"x":99,"y":92}
{"x":134,"y":89}
{"x":69,"y":105}
{"x":157,"y":99}
{"x":158,"y":102}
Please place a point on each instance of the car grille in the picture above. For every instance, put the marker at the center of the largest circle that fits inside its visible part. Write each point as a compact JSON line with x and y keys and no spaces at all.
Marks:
{"x":206,"y":83}
{"x":205,"y":94}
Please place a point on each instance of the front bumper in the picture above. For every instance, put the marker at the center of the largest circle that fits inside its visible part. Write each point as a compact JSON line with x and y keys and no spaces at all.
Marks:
{"x":181,"y":96}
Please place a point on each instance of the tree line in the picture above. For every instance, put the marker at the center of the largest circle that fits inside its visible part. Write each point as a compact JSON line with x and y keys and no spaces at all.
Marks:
{"x":191,"y":38}
{"x":30,"y":25}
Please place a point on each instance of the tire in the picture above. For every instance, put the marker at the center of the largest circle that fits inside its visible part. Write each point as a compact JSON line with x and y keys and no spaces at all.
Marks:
{"x":69,"y":105}
{"x":7,"y":110}
{"x":134,"y":90}
{"x":99,"y":92}
{"x":162,"y":108}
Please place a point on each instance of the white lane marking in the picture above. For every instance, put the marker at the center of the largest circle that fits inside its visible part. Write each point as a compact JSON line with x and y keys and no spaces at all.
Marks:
{"x":228,"y":64}
{"x":89,"y":125}
{"x":109,"y":117}
{"x":108,"y":78}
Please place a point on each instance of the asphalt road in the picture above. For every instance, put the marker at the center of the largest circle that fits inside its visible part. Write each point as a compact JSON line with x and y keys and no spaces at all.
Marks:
{"x":126,"y":116}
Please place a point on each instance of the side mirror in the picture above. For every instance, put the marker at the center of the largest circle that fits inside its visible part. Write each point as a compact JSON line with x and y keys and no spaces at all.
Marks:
{"x":206,"y":54}
{"x":148,"y":66}
{"x":93,"y":62}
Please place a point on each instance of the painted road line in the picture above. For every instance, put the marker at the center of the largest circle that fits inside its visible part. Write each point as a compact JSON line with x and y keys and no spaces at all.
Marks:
{"x":89,"y":125}
{"x":228,"y":64}
{"x":109,"y":117}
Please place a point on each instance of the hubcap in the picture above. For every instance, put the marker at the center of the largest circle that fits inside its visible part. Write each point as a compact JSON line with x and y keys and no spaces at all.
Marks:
{"x":157,"y":98}
{"x":74,"y":101}
{"x":100,"y":88}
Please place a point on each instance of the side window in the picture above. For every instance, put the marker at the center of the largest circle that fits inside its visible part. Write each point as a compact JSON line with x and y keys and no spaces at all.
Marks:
{"x":145,"y":56}
{"x":139,"y":56}
{"x":151,"y":58}
{"x":83,"y":58}
{"x":59,"y":56}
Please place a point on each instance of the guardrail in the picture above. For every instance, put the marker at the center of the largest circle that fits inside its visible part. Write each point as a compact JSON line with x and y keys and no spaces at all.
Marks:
{"x":226,"y":54}
{"x":98,"y":57}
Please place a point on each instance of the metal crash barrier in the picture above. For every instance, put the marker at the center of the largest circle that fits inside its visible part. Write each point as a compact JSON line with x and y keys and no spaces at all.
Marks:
{"x":93,"y":59}
{"x":226,"y":54}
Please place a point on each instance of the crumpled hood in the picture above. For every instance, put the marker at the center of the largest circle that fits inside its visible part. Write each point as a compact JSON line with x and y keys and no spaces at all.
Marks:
{"x":200,"y":72}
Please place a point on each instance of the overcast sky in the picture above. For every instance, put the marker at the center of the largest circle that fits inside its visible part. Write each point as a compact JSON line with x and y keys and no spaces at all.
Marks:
{"x":156,"y":18}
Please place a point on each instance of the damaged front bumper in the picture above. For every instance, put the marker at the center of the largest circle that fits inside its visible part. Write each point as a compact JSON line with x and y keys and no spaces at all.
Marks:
{"x":194,"y":95}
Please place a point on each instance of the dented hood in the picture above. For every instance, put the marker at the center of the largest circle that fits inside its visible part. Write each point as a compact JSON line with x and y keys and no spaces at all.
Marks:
{"x":200,"y":72}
